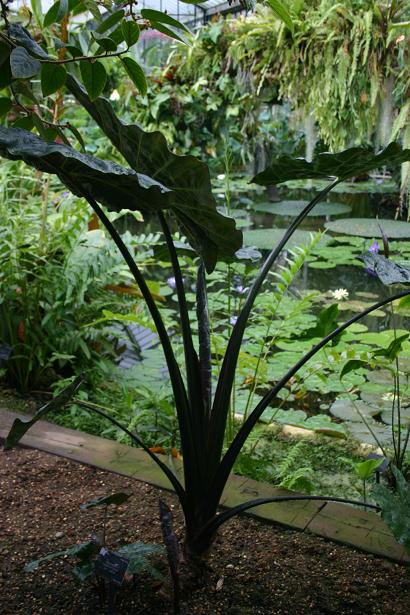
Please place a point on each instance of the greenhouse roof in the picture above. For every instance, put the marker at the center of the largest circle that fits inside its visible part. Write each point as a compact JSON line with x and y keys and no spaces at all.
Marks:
{"x":195,"y":13}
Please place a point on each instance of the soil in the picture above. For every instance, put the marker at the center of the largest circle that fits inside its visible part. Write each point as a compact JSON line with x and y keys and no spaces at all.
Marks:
{"x":255,"y":568}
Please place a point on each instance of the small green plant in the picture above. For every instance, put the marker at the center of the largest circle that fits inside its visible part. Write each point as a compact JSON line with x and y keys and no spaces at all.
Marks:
{"x":87,"y":555}
{"x":366,"y":469}
{"x":395,"y":507}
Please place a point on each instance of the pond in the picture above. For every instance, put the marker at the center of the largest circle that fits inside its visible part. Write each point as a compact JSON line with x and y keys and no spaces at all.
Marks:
{"x":334,"y":264}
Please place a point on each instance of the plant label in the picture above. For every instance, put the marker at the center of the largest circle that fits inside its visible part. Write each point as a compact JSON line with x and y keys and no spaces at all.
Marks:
{"x":111,"y":566}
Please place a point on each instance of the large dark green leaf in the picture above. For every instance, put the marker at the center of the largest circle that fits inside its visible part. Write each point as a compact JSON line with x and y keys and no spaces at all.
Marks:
{"x":23,"y":38}
{"x":386,"y":270}
{"x":349,"y":163}
{"x":115,"y":498}
{"x":21,"y":426}
{"x":396,"y":508}
{"x":22,"y":64}
{"x":4,"y":53}
{"x":106,"y":182}
{"x":211,"y":233}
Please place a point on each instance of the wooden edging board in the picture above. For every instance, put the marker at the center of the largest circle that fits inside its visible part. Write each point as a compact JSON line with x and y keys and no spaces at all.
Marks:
{"x":348,"y":525}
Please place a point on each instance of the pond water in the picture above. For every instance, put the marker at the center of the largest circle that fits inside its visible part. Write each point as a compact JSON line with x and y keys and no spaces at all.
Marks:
{"x":334,"y":265}
{"x":262,"y":214}
{"x":258,"y":209}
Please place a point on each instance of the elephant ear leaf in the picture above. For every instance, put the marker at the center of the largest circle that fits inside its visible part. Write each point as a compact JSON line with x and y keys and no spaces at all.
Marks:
{"x":385,"y":269}
{"x":212,"y":234}
{"x":85,"y":175}
{"x":115,"y":498}
{"x":21,"y":426}
{"x":343,"y":165}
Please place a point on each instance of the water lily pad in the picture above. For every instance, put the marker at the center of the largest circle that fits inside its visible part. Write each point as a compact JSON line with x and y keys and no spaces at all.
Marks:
{"x":369,"y":227}
{"x":376,"y":399}
{"x":386,"y":417}
{"x":358,"y":306}
{"x":380,"y":376}
{"x":294,"y":208}
{"x":267,"y":238}
{"x":373,"y":434}
{"x":348,"y":411}
{"x":322,"y":423}
{"x":285,"y":417}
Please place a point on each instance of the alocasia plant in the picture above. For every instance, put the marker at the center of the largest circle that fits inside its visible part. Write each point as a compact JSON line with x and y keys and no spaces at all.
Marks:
{"x":180,"y":187}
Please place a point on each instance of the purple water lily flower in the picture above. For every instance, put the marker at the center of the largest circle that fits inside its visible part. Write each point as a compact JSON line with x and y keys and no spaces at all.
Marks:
{"x":233,"y":320}
{"x":374,"y":248}
{"x":171,"y":282}
{"x":241,"y":290}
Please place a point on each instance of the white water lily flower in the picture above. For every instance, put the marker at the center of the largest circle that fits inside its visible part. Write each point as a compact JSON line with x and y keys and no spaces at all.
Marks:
{"x":221,"y":176}
{"x":115,"y":95}
{"x":340,"y":294}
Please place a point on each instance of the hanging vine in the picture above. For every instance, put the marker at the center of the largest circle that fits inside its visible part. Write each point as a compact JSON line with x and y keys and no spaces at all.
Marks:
{"x":346,"y":63}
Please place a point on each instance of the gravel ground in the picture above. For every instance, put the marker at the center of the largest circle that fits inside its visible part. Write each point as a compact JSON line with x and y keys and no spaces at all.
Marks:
{"x":255,"y":568}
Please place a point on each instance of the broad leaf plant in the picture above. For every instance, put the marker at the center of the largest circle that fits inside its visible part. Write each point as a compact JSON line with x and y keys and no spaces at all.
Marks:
{"x":177,"y":189}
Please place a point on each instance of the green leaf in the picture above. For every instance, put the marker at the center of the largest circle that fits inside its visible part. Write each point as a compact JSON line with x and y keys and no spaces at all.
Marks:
{"x":345,"y":164}
{"x":51,"y":16}
{"x":106,"y":182}
{"x":136,"y":74}
{"x":169,"y":32}
{"x":58,"y":10}
{"x":404,"y":304}
{"x":62,"y":10}
{"x":83,"y":551}
{"x":208,"y":231}
{"x":22,"y":36}
{"x":138,"y":553}
{"x":25,"y":122}
{"x":53,"y":77}
{"x":327,"y":322}
{"x":163,"y":18}
{"x":393,"y":349}
{"x":115,"y":498}
{"x":365,"y":469}
{"x":5,"y":74}
{"x":94,"y":77}
{"x":83,"y":571}
{"x":37,"y":11}
{"x":5,"y":105}
{"x":4,"y":53}
{"x":92,"y":6}
{"x":23,"y":66}
{"x":130,"y":31}
{"x":281,"y":12}
{"x":106,"y":44}
{"x":352,"y":366}
{"x":110,"y":21}
{"x":396,"y":508}
{"x":21,"y":426}
{"x":77,"y":135}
